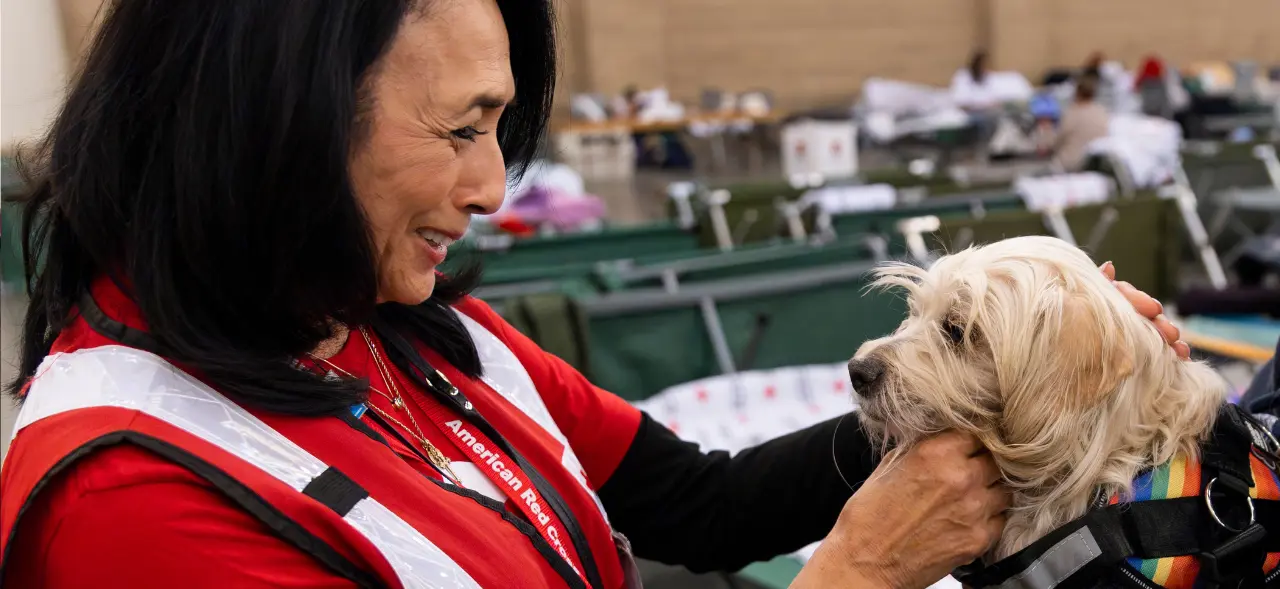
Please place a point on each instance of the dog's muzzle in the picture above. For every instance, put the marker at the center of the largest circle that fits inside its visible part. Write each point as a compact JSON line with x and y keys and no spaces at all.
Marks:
{"x":867,"y":375}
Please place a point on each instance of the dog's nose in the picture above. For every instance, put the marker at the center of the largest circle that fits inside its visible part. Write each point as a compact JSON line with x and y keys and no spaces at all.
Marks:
{"x":865,"y":373}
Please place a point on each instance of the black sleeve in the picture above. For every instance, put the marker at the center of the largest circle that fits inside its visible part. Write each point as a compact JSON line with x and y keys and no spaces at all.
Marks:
{"x":714,"y":512}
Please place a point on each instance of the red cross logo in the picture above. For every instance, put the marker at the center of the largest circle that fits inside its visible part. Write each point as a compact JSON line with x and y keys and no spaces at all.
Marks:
{"x":800,"y":147}
{"x":836,"y":148}
{"x":703,"y":396}
{"x":770,"y":392}
{"x":837,"y":387}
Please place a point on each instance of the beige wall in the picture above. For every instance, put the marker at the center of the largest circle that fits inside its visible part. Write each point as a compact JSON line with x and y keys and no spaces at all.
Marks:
{"x":817,"y":52}
{"x":806,"y":51}
{"x":33,"y":68}
{"x":1034,"y":34}
{"x":809,"y":52}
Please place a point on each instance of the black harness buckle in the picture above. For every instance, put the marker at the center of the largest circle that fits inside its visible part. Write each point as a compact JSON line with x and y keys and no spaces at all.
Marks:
{"x":1226,"y":565}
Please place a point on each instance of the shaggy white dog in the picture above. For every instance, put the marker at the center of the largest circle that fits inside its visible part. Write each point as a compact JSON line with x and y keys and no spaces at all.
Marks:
{"x":1026,"y":345}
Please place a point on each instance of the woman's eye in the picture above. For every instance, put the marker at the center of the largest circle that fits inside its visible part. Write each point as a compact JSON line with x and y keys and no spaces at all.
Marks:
{"x":468,"y":133}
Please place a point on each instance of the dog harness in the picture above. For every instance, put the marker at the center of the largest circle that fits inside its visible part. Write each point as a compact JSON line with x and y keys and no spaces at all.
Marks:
{"x":1209,"y":524}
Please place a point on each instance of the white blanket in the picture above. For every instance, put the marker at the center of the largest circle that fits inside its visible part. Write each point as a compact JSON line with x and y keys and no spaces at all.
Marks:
{"x":839,"y":200}
{"x":995,"y":89}
{"x":896,"y":97}
{"x":1146,"y":146}
{"x":1063,"y":191}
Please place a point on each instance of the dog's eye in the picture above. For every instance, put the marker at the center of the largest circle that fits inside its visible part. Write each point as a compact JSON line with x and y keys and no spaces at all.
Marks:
{"x":954,"y":331}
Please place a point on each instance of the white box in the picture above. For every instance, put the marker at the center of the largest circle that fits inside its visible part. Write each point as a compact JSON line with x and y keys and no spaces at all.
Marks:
{"x":828,"y":149}
{"x":598,"y":154}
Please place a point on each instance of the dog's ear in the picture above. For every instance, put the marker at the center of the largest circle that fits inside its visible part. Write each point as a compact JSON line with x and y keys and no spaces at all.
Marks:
{"x":1091,"y":351}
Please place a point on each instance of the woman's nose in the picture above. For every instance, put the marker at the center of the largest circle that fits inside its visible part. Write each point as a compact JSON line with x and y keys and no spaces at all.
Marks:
{"x":484,"y":184}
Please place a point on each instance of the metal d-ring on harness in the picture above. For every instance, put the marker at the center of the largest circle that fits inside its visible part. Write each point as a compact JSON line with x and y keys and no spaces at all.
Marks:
{"x":1213,"y":513}
{"x":1227,"y":534}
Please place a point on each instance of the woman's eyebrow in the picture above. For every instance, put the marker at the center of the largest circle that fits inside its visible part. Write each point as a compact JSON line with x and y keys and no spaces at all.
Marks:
{"x":487,"y":101}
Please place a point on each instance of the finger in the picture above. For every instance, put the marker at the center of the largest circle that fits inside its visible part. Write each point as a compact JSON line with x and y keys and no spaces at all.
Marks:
{"x":1167,"y":329}
{"x":1000,"y":501}
{"x":1183,"y":349}
{"x":1108,"y":270}
{"x":1141,"y":301}
{"x":989,"y":470}
{"x":962,"y":442}
{"x":995,"y":529}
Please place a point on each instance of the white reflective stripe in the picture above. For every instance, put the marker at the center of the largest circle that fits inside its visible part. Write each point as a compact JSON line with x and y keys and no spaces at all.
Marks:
{"x":504,"y":373}
{"x":116,"y":376}
{"x":1058,"y":563}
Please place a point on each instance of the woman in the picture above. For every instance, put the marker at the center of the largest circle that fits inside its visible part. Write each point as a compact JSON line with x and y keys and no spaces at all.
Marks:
{"x":1083,"y":122}
{"x":240,"y":367}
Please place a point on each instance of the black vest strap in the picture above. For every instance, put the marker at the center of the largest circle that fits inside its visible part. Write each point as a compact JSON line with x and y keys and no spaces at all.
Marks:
{"x":335,"y":490}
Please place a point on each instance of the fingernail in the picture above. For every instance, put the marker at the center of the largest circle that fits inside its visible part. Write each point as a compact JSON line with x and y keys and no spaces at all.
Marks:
{"x":1161,"y":317}
{"x":1161,"y":305}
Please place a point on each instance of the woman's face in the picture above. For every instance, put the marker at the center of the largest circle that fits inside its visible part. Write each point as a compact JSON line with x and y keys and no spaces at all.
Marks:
{"x":430,"y":158}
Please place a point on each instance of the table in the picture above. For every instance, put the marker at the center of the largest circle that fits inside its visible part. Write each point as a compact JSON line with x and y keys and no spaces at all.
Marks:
{"x":636,"y":126}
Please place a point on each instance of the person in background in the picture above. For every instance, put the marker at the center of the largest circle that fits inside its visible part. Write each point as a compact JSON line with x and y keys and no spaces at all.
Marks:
{"x":971,"y":89}
{"x":1082,"y":123}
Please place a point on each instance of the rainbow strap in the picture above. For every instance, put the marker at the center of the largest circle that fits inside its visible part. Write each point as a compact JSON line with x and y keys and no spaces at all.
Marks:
{"x":1181,"y":478}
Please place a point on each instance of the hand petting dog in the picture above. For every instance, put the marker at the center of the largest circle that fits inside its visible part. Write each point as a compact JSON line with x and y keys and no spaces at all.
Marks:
{"x":1150,"y":308}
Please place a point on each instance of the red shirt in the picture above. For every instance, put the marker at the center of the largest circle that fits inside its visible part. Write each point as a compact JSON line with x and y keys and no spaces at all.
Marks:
{"x":124,"y":517}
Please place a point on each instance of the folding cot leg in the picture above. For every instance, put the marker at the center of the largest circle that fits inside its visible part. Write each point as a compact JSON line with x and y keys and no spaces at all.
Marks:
{"x":1186,"y":201}
{"x":1267,"y":154}
{"x":680,"y":193}
{"x":1057,"y":223}
{"x":913,"y":229}
{"x":719,"y":222}
{"x":791,"y":212}
{"x":670,"y":282}
{"x":715,"y":331}
{"x":1100,"y":230}
{"x":1123,"y":179}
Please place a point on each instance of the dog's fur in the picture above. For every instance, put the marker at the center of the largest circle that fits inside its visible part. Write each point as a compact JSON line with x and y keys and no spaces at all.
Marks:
{"x":1025,"y":344}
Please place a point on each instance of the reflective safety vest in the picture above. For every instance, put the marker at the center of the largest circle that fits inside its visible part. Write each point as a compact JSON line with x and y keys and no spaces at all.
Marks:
{"x":97,"y":397}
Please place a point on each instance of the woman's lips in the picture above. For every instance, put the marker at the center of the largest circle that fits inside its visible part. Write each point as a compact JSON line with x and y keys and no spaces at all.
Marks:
{"x":436,"y":244}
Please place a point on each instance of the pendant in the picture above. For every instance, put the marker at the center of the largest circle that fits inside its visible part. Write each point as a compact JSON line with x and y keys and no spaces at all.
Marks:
{"x":434,"y":453}
{"x":397,"y":402}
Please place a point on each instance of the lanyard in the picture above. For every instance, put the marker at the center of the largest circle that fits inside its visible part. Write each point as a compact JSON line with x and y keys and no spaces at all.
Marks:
{"x":506,"y":475}
{"x":452,"y":406}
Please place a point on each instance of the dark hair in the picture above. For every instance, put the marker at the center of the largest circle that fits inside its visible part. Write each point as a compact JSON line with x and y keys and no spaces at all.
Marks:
{"x":1087,"y":87}
{"x":1093,"y":67}
{"x":978,"y":66}
{"x":200,"y":161}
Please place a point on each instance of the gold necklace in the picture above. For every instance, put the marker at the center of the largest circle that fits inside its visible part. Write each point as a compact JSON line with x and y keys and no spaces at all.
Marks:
{"x":434,"y":455}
